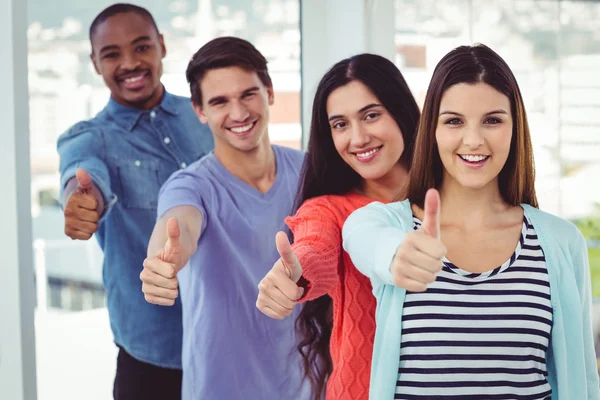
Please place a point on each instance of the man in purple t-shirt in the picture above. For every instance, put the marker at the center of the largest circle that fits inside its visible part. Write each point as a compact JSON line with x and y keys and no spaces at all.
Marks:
{"x":218,"y":218}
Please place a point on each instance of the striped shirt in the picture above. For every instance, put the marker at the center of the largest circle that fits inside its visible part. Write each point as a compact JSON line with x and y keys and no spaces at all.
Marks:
{"x":479,"y":336}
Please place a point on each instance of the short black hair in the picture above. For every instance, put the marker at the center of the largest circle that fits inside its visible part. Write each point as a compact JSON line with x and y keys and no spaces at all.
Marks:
{"x":120,"y":8}
{"x":223,"y":52}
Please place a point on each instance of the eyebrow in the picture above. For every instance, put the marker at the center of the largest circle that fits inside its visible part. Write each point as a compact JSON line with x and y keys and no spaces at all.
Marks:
{"x":115,"y":47}
{"x":214,"y":100}
{"x":365,"y":108}
{"x":499,"y":111}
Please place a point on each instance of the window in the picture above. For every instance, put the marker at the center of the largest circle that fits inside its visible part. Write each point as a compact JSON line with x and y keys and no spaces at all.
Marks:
{"x":74,"y":342}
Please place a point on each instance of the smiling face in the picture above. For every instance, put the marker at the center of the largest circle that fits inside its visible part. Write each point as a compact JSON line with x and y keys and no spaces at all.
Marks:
{"x":128,"y":53}
{"x":235,"y":105}
{"x":364,"y":133}
{"x":473,"y":134}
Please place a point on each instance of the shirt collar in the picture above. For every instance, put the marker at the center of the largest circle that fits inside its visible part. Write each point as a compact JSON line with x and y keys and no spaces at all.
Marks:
{"x":128,"y":117}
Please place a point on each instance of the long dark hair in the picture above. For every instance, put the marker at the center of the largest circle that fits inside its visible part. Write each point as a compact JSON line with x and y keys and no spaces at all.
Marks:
{"x":473,"y":64}
{"x":325,"y":172}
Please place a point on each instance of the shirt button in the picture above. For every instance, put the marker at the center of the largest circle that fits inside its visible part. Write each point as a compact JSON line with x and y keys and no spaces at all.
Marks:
{"x":167,"y":140}
{"x":183,"y":165}
{"x":152,"y":114}
{"x":138,"y":163}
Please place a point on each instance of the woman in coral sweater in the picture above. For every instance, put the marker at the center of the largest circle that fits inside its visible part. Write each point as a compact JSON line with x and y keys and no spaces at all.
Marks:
{"x":360,"y":149}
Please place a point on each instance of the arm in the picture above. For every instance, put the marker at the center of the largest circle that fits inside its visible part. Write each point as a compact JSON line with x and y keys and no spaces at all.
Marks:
{"x":314,"y":256}
{"x":318,"y":246}
{"x":582,"y":275}
{"x":174,"y":238}
{"x":85,"y":181}
{"x":371,"y":236}
{"x":189,"y":220}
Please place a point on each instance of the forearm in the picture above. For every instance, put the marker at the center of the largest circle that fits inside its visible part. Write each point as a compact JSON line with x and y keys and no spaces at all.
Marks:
{"x":371,"y":240}
{"x":189,"y":235}
{"x":319,"y":263}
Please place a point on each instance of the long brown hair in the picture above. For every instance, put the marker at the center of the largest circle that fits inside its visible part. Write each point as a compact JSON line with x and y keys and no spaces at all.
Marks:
{"x":471,"y":65}
{"x":325,"y":172}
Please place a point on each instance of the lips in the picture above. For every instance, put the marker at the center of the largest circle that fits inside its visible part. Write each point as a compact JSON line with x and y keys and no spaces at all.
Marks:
{"x":133,"y":81}
{"x":242,"y":130}
{"x":367,"y":154}
{"x":474,"y":160}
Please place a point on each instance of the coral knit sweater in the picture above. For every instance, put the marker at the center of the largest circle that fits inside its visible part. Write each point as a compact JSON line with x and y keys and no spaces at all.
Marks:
{"x":317,"y":228}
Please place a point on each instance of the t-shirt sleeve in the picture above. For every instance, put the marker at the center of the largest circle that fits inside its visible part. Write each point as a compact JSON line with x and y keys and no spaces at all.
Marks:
{"x":183,"y":188}
{"x":318,"y":246}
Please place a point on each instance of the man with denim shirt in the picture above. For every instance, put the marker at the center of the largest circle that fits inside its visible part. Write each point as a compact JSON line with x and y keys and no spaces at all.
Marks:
{"x":112,"y":168}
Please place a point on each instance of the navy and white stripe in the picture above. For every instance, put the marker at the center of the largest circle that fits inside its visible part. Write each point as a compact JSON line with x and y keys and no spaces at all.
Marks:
{"x":480,"y":336}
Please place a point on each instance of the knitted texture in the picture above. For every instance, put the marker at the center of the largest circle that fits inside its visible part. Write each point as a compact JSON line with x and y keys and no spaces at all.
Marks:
{"x":317,"y":228}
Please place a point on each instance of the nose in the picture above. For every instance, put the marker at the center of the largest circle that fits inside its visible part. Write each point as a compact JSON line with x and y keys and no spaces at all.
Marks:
{"x":360,"y":137}
{"x":473,"y":137}
{"x":238,"y":112}
{"x":130,"y":62}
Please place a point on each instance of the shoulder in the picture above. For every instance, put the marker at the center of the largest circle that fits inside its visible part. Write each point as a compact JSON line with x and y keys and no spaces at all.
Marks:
{"x":86,"y":136}
{"x":320,"y":205}
{"x":294,"y":156}
{"x":88,"y":127}
{"x":397,"y":210}
{"x":196,"y":174}
{"x":550,"y":226}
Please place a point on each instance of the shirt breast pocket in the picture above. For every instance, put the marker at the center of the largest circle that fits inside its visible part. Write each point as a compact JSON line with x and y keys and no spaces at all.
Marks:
{"x":139,"y":183}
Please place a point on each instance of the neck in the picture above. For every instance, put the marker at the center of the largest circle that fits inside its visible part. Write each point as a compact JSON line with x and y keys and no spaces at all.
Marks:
{"x":466,"y":206}
{"x":257,"y":167}
{"x":390,"y":187}
{"x":154,"y":100}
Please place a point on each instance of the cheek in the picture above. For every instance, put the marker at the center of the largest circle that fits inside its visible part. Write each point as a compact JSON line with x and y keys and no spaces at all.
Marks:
{"x":445,"y":144}
{"x":340,"y":144}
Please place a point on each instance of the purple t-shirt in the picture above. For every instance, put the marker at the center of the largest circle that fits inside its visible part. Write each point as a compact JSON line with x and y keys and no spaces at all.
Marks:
{"x":230,"y":349}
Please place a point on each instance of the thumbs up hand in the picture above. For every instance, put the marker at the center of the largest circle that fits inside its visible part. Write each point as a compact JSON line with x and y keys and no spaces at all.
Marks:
{"x":159,"y":276}
{"x":81,"y":209}
{"x":278,"y":291}
{"x":419,"y":258}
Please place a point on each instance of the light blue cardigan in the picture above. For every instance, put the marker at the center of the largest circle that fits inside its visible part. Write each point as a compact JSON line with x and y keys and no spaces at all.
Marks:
{"x":371,"y":236}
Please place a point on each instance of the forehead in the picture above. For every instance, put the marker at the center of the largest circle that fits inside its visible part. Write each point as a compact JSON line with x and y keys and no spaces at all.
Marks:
{"x":350,"y":98}
{"x":478,"y":98}
{"x":121,"y":29}
{"x":228,"y":82}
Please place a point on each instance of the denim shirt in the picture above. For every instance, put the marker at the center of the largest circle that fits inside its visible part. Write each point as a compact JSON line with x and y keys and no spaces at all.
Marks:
{"x":129,"y":154}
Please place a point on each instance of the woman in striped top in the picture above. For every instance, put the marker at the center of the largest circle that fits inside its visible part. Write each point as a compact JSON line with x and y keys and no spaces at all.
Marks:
{"x":498,"y":297}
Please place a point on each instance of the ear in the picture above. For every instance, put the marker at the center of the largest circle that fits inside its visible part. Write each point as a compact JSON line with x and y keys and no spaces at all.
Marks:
{"x":163,"y":48}
{"x":271,"y":95}
{"x":96,"y":65}
{"x":200,"y":113}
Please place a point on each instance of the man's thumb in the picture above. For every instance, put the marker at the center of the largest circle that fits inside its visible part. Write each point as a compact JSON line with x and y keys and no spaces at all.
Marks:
{"x":173,"y":229}
{"x":83,"y":179}
{"x":287,"y":256}
{"x":431,"y":217}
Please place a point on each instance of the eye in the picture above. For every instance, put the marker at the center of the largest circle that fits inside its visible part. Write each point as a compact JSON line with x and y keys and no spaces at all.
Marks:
{"x":143,"y":48}
{"x":338,"y":125}
{"x":493,"y":121}
{"x":249,"y":95}
{"x":453,"y":121}
{"x":114,"y":54}
{"x":371,"y":115}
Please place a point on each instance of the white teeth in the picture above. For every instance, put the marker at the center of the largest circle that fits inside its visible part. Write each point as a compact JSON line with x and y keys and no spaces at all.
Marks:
{"x":242,"y":129}
{"x":368,"y":153}
{"x":471,"y":158}
{"x":134,"y":79}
